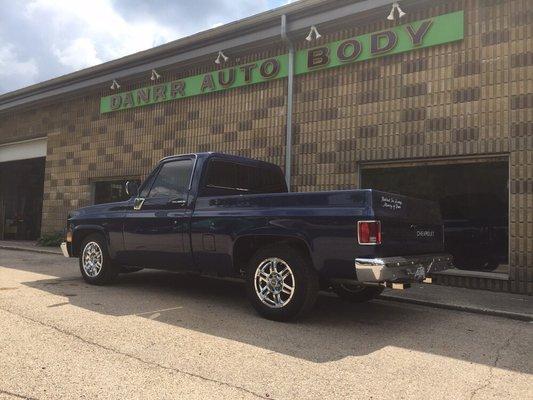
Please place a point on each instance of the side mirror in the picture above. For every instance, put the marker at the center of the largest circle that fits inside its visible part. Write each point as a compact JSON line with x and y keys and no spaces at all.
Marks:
{"x":132,"y":189}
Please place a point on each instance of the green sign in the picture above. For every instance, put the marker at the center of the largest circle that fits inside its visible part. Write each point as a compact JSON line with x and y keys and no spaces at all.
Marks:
{"x":430,"y":32}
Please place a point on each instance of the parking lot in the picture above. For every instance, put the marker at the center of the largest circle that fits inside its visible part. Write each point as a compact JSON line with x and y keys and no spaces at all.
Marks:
{"x":156,"y":334}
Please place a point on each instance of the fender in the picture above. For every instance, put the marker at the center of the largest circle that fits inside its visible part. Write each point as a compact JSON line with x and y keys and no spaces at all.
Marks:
{"x":90,"y":227}
{"x":273,"y":231}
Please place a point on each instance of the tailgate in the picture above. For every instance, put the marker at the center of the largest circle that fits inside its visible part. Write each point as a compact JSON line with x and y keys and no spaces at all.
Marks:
{"x":409,"y":225}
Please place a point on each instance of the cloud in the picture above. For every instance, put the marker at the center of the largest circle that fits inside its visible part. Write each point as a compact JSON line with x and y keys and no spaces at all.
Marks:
{"x":18,"y":72}
{"x":42,"y":39}
{"x":192,"y":15}
{"x":78,"y":54}
{"x":97,"y":28}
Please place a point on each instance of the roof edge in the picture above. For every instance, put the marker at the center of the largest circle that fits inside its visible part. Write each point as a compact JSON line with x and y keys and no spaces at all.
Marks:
{"x":300,"y":14}
{"x":175,"y":46}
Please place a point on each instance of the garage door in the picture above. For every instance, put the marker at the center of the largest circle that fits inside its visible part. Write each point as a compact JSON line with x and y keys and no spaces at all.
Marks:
{"x":21,"y":199}
{"x":24,"y":150}
{"x":474,"y":201}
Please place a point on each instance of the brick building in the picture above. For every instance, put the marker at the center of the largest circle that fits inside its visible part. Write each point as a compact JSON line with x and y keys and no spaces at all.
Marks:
{"x":437,"y":104}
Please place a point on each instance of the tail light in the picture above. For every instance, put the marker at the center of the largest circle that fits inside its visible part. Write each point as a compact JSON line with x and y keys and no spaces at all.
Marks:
{"x":369,"y":232}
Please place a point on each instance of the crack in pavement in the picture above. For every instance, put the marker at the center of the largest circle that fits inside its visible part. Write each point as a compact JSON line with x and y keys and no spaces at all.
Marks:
{"x":499,"y":351}
{"x":19,"y":396}
{"x":137,"y":358}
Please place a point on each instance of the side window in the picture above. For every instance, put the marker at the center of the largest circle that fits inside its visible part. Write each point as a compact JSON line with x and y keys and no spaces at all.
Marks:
{"x":273,"y":181}
{"x":173,"y":179}
{"x":228,"y":178}
{"x":221,"y":175}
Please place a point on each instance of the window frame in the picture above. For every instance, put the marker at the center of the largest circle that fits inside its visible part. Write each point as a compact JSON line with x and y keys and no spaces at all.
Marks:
{"x":154,"y":175}
{"x":149,"y":181}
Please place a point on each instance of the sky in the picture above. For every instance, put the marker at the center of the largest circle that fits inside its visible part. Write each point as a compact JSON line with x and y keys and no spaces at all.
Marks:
{"x":43,"y":39}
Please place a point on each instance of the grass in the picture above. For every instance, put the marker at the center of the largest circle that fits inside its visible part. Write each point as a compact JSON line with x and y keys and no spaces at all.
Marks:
{"x":51,"y":239}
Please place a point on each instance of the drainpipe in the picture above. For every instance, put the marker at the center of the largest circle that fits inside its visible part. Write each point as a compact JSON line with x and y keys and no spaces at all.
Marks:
{"x":290,"y":81}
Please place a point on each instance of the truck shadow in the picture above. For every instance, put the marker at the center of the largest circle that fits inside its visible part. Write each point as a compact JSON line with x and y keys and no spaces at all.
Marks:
{"x":334,"y":330}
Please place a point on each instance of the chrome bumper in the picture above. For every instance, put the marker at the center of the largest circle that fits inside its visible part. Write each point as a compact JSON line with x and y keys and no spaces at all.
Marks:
{"x":401,"y":269}
{"x":64,"y":249}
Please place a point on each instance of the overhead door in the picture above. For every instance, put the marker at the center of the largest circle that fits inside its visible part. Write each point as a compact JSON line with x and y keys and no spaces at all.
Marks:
{"x":473,"y":197}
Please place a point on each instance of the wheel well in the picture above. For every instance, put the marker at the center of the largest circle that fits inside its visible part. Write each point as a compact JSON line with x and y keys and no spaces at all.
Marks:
{"x":78,"y":238}
{"x":246,"y":247}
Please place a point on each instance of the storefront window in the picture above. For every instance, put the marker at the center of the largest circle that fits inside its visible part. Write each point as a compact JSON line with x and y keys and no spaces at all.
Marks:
{"x":111,"y":191}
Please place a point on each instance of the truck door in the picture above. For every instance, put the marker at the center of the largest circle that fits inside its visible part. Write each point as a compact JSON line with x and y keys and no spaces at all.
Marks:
{"x":156,"y":227}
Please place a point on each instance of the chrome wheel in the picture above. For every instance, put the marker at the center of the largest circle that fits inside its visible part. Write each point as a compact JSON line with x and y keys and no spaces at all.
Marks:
{"x":274,"y":282}
{"x":92,"y":259}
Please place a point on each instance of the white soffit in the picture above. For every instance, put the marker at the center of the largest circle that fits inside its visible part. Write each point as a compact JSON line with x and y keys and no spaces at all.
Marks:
{"x":23,"y":150}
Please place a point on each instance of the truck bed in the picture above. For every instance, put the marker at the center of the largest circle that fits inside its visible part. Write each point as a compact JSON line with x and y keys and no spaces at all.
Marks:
{"x":327,"y":219}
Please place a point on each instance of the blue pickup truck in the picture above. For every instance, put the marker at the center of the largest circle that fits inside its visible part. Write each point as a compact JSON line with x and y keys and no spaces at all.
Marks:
{"x":228,"y":216}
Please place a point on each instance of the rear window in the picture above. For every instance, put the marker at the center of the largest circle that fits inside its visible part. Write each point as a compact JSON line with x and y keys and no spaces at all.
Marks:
{"x":229,"y":178}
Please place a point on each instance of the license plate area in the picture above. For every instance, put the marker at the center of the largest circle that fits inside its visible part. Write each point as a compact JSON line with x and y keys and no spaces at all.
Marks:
{"x":415,"y":273}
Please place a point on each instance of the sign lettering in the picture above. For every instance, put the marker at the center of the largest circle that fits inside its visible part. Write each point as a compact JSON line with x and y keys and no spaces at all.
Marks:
{"x":418,"y":35}
{"x":349,"y":50}
{"x":383,"y":42}
{"x":269,"y":68}
{"x":318,"y":57}
{"x":247,"y":69}
{"x":226,"y":81}
{"x":435,"y":31}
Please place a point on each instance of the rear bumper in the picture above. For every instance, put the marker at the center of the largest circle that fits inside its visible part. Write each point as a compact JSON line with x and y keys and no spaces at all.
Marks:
{"x":65,"y":249}
{"x":401,"y":269}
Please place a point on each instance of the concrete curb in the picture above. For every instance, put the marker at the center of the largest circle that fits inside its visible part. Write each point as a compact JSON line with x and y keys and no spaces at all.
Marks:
{"x":459,"y":307}
{"x":33,"y":250}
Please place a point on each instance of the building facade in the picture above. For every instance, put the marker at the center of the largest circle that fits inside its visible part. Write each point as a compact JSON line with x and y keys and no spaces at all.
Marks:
{"x":451,"y":118}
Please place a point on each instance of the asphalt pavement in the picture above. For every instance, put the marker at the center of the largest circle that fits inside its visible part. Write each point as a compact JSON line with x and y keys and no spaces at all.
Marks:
{"x":161,"y":335}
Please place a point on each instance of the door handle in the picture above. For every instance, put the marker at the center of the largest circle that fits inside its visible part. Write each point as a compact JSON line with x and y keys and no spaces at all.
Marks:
{"x":178,"y":202}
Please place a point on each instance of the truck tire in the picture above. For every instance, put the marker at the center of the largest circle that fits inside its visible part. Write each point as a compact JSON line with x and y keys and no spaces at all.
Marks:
{"x":357,"y":293}
{"x":96,"y":267}
{"x":281,"y":283}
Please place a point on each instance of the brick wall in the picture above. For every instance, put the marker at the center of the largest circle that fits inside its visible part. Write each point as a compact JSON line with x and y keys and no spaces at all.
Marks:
{"x":469,"y":98}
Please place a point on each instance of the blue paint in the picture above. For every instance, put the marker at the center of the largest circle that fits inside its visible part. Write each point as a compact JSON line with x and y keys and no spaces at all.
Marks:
{"x":203,"y":234}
